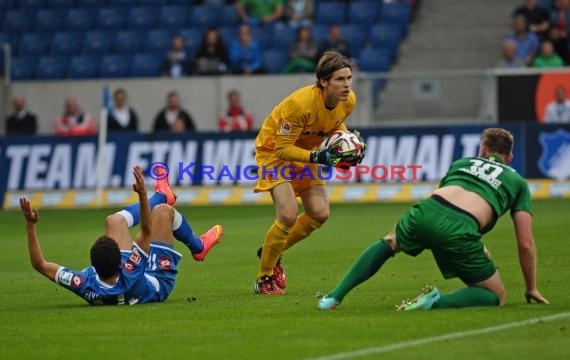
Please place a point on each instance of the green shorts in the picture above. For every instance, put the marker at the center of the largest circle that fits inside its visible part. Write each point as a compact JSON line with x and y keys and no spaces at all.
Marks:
{"x":451,"y":234}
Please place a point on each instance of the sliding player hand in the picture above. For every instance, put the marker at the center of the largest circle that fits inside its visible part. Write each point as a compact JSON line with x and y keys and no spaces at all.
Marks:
{"x":138,"y":186}
{"x":31,"y":216}
{"x":536,"y":296}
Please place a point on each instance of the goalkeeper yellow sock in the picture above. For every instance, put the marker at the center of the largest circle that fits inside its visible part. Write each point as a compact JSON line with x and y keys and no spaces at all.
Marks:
{"x":273,"y":246}
{"x":303,"y":227}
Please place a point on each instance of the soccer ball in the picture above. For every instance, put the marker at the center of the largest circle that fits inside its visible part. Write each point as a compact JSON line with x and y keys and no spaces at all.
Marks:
{"x":343,"y":143}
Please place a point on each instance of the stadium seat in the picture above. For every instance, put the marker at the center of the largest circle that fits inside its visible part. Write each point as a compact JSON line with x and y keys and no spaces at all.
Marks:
{"x":158,"y":42}
{"x":49,"y":20}
{"x":363,"y":13}
{"x":396,"y":14}
{"x":82,"y":67}
{"x":16,"y":21}
{"x":65,"y":43}
{"x":274,"y":61}
{"x":98,"y":42}
{"x":154,"y":3}
{"x":192,"y":37}
{"x":51,"y":68}
{"x":129,"y":42}
{"x":355,"y":36}
{"x":282,"y":39}
{"x":145,"y":65}
{"x":125,"y":4}
{"x":22,"y":69}
{"x":373,"y":60}
{"x":59,"y":4}
{"x":320,"y":33}
{"x":90,"y":4}
{"x":174,"y":17}
{"x":111,"y":18}
{"x":261,"y":36}
{"x":115,"y":66}
{"x":331,"y":13}
{"x":34,"y":44}
{"x":7,"y":4}
{"x":204,"y":16}
{"x":229,"y":34}
{"x":142,"y":18}
{"x":79,"y":20}
{"x":547,"y":4}
{"x":385,"y":35}
{"x":230,"y":17}
{"x":30,"y":6}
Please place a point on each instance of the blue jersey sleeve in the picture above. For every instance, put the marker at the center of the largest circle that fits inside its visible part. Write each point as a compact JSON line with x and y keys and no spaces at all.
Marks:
{"x":133,"y":267}
{"x":72,"y":280}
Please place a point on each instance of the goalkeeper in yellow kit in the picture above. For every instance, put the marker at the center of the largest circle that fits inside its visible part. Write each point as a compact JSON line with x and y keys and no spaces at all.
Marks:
{"x":288,"y":156}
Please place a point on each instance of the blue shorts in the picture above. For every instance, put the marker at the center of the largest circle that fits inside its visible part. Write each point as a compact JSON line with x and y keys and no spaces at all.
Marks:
{"x":163,"y":266}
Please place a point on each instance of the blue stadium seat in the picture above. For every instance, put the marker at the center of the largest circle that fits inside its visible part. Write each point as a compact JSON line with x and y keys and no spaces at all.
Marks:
{"x":192,"y":38}
{"x":274,"y":61}
{"x":174,"y":17}
{"x":261,"y":36}
{"x":65,"y":43}
{"x":282,"y":39}
{"x":90,"y":4}
{"x":204,"y":16}
{"x":373,"y":60}
{"x":320,"y":33}
{"x":30,"y":6}
{"x":154,"y":3}
{"x":83,"y":67}
{"x":548,"y":4}
{"x":228,"y":33}
{"x":355,"y":36}
{"x":16,"y":21}
{"x":115,"y":66}
{"x":129,"y":42}
{"x":145,"y":65}
{"x":22,"y":68}
{"x":396,"y":14}
{"x":230,"y":17}
{"x":51,"y":68}
{"x":142,"y":18}
{"x":385,"y":35}
{"x":59,"y":4}
{"x":125,"y":4}
{"x":98,"y":42}
{"x":49,"y":20}
{"x":158,"y":42}
{"x":111,"y":18}
{"x":331,"y":13}
{"x":34,"y":44}
{"x":79,"y":20}
{"x":7,"y":4}
{"x":363,"y":13}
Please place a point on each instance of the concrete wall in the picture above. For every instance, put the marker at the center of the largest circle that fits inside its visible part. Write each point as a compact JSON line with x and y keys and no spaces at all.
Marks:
{"x":203,"y":97}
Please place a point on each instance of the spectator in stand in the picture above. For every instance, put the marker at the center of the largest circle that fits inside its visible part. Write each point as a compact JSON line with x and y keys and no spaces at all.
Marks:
{"x":121,"y":117}
{"x":335,"y":42}
{"x":245,"y":53}
{"x":21,"y":121}
{"x":299,"y":13}
{"x":509,"y":59}
{"x":177,"y":62}
{"x":303,"y":53}
{"x":212,"y":57}
{"x":237,"y":118}
{"x":260,"y":12}
{"x":561,"y":46}
{"x":526,"y":41}
{"x":547,"y":57}
{"x":173,"y":117}
{"x":558,"y":110}
{"x":536,"y":17}
{"x":74,"y":122}
{"x":560,"y":17}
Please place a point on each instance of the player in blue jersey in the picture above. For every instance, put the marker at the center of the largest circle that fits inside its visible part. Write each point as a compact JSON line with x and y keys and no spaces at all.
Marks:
{"x":123,"y":271}
{"x":471,"y":197}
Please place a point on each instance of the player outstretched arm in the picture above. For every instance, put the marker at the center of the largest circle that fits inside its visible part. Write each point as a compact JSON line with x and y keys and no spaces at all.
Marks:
{"x":143,"y":237}
{"x":527,"y":255}
{"x":46,"y":268}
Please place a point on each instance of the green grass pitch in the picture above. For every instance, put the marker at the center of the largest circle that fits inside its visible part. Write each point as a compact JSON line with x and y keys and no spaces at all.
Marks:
{"x":213,"y":313}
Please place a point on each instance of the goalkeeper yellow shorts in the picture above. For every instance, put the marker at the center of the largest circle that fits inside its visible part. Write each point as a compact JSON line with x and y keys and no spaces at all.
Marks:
{"x":273,"y":171}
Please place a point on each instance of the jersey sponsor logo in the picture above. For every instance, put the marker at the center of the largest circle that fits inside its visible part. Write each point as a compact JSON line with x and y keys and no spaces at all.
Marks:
{"x":135,"y":256}
{"x":129,"y":266}
{"x":555,"y":159}
{"x":285,"y":128}
{"x":164,"y":263}
{"x":77,"y":281}
{"x":64,"y":277}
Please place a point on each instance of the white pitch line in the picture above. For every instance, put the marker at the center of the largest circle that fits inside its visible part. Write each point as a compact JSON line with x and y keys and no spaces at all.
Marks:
{"x":433,"y":339}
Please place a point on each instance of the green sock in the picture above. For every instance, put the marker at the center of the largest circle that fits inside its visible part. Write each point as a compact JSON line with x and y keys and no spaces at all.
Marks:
{"x":365,"y":266}
{"x":467,"y":297}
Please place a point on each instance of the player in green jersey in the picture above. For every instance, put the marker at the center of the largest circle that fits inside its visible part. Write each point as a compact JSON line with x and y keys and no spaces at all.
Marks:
{"x":471,"y":197}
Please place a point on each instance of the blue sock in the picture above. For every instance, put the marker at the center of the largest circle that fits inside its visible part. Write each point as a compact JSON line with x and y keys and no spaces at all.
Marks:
{"x":183,"y":233}
{"x":132,"y":213}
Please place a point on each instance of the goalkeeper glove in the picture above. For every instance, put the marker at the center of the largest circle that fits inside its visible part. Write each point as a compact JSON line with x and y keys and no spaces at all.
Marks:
{"x":360,"y":156}
{"x":324,"y":157}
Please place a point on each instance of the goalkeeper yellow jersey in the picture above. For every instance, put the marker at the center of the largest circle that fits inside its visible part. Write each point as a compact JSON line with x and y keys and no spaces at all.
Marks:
{"x":300,"y":123}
